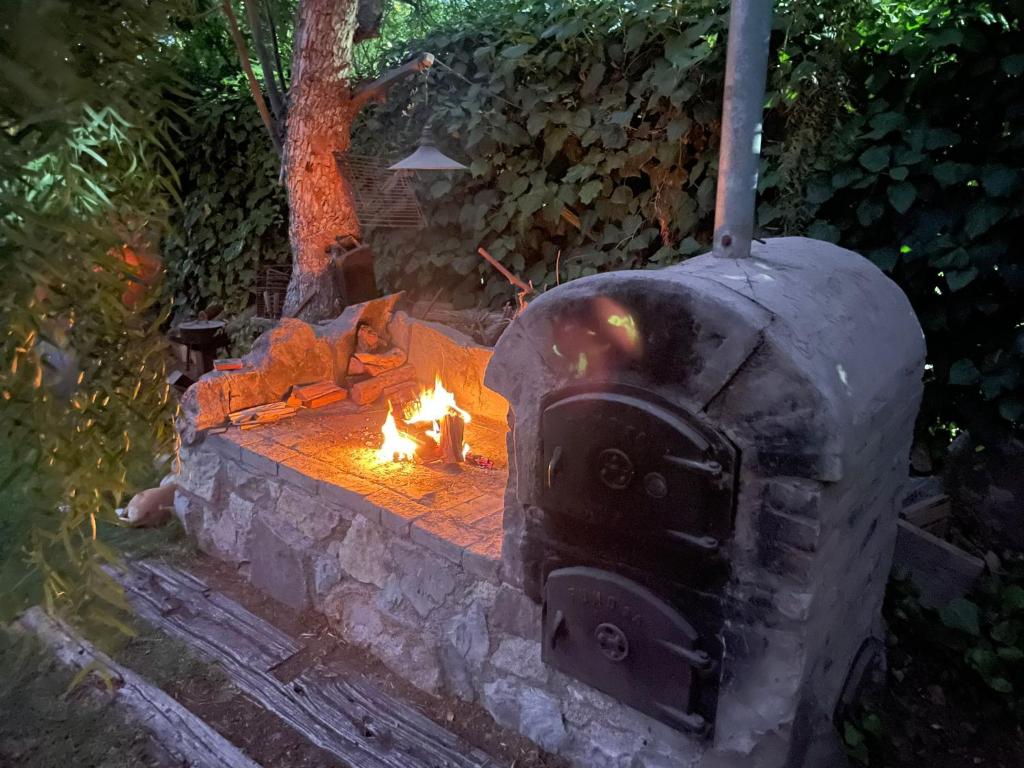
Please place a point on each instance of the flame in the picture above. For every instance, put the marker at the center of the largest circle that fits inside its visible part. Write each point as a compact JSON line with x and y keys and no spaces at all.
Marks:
{"x":433,"y":405}
{"x":397,"y":446}
{"x":430,"y":407}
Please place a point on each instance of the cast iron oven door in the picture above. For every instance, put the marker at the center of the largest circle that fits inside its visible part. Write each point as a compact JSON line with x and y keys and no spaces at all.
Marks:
{"x":619,"y":637}
{"x":617,"y":459}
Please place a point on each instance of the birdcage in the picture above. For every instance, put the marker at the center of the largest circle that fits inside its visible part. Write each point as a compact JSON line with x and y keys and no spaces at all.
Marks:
{"x":383,"y":198}
{"x":270,"y":291}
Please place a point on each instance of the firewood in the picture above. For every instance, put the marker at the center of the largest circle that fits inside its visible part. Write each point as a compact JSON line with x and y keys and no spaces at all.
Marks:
{"x":375,"y":363}
{"x":453,"y":430}
{"x":326,"y":399}
{"x":262,"y":414}
{"x":368,"y":390}
{"x":315,"y":395}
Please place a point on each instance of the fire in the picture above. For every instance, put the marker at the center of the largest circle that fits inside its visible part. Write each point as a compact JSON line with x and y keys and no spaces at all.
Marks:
{"x":433,"y":405}
{"x":430,"y":407}
{"x":397,"y":446}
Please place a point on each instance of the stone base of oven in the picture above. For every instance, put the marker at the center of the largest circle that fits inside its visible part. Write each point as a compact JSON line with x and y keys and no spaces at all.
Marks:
{"x":436,"y":613}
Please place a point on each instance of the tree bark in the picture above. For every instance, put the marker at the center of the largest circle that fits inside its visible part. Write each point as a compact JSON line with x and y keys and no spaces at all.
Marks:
{"x":320,"y":115}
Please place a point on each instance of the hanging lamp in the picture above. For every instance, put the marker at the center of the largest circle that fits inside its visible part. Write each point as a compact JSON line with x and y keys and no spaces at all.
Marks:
{"x":427,"y":157}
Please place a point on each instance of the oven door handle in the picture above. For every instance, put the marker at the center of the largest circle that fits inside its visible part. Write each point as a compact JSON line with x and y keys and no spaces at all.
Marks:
{"x":554,"y":465}
{"x":707,"y":543}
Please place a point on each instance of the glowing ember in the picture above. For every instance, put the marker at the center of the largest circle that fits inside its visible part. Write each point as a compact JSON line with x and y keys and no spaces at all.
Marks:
{"x":430,"y":407}
{"x":397,"y":446}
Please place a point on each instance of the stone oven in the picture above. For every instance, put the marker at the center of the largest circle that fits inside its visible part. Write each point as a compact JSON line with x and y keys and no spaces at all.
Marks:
{"x":707,"y":463}
{"x":684,"y":560}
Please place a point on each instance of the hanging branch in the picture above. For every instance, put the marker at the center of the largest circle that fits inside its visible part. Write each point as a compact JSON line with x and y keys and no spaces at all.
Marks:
{"x":524,"y":288}
{"x":256,"y":28}
{"x":283,"y":84}
{"x":377,"y":90}
{"x":254,"y":86}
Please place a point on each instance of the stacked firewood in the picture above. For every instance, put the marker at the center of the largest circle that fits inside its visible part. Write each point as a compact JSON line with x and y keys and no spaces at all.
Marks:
{"x":377,"y":368}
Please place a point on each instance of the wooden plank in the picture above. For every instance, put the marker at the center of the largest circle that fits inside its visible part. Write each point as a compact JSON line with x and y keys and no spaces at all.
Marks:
{"x":190,"y":740}
{"x":940,"y":571}
{"x":334,"y":709}
{"x":176,"y":600}
{"x":366,"y":391}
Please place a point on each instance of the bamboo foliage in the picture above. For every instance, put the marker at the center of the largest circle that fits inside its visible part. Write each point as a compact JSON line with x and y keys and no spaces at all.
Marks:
{"x":86,"y":178}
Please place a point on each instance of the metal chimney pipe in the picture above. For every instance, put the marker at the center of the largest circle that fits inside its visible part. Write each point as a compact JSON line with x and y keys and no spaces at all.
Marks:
{"x":746,"y":67}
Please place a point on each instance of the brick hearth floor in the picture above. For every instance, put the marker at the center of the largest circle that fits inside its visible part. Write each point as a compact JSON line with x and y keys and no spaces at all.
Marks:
{"x":454,"y":511}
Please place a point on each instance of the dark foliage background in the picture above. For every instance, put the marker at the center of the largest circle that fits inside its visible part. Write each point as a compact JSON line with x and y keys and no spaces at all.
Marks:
{"x":591,"y":132}
{"x":894,"y":130}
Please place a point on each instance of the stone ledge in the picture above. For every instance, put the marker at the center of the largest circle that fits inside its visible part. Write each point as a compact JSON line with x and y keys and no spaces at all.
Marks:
{"x":443,"y":535}
{"x":483,"y":558}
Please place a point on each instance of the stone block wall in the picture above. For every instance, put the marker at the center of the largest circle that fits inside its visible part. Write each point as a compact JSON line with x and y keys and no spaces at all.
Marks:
{"x":437,"y":614}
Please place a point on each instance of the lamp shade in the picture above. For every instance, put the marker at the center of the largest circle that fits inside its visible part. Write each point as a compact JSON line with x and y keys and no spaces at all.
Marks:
{"x":427,"y":157}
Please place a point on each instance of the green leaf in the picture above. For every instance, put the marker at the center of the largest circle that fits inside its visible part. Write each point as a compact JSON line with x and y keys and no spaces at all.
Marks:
{"x":679,"y":51}
{"x":964,"y":373}
{"x":594,"y":78}
{"x":961,"y":614}
{"x":852,"y":735}
{"x":886,"y":122}
{"x":530,"y":203}
{"x":1010,"y":654}
{"x":515,"y":51}
{"x":535,"y":122}
{"x":1013,"y":64}
{"x":1000,"y":684}
{"x":822,"y":230}
{"x":819,"y":189}
{"x":636,"y":36}
{"x":901,"y":196}
{"x":590,"y":190}
{"x":869,"y":211}
{"x":937,"y":138}
{"x":999,"y":180}
{"x":981,"y":218}
{"x":899,"y":173}
{"x":960,"y":278}
{"x":1013,"y":598}
{"x":950,"y":173}
{"x":875,"y":159}
{"x":1011,"y":409}
{"x":1005,"y":632}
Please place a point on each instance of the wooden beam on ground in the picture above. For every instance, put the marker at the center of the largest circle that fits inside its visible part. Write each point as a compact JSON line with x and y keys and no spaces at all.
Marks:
{"x":178,"y":731}
{"x":334,"y":708}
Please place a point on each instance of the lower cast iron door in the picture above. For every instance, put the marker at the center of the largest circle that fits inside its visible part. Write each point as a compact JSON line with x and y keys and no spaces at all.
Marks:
{"x":621,"y":638}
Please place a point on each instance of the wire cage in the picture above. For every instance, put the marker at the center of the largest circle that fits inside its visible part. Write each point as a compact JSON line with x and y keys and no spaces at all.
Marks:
{"x":383,"y":198}
{"x":270,"y":291}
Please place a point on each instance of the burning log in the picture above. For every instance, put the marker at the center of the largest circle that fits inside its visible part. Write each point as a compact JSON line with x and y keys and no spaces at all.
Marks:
{"x":453,"y":430}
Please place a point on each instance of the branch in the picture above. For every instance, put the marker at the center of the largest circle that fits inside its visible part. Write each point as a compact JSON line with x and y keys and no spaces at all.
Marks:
{"x":254,"y":86}
{"x":283,"y":84}
{"x":377,"y":90}
{"x":524,"y":288}
{"x":256,"y":28}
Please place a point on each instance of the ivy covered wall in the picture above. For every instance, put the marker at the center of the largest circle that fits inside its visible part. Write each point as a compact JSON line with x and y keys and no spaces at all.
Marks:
{"x":591,"y":133}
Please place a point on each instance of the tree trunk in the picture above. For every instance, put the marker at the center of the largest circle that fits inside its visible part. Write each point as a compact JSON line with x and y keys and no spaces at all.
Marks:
{"x":320,"y":114}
